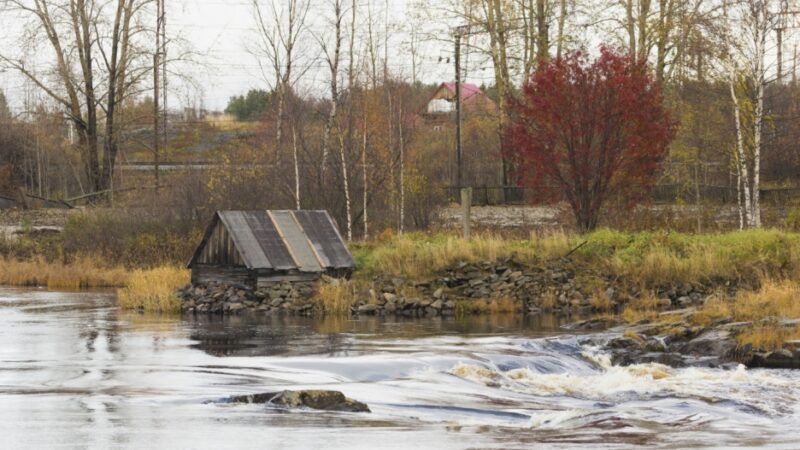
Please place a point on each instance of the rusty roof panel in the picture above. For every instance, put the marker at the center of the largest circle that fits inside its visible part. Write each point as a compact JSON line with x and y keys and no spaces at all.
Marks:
{"x":296,"y":240}
{"x":270,"y":242}
{"x":246,"y":243}
{"x":307,"y":241}
{"x":325,"y":237}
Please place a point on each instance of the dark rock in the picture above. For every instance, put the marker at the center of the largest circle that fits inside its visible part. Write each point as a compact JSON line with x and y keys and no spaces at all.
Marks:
{"x":779,"y":359}
{"x":314,"y":399}
{"x":367,"y":309}
{"x":595,"y":324}
{"x":717,"y":343}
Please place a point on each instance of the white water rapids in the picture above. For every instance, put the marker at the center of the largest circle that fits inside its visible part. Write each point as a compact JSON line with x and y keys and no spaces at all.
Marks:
{"x":75,"y":372}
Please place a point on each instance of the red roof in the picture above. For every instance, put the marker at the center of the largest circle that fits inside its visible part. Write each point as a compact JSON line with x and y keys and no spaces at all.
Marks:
{"x":467,"y":89}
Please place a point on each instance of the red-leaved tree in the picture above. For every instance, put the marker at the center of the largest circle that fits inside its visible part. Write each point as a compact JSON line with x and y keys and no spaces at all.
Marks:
{"x":589,"y":132}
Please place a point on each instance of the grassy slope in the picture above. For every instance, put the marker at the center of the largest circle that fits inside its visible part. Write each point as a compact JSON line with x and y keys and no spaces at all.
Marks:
{"x":768,"y":260}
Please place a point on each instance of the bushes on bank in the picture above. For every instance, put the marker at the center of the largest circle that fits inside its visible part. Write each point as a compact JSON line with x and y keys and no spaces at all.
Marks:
{"x":81,"y":273}
{"x":153,"y":290}
{"x":130,"y":238}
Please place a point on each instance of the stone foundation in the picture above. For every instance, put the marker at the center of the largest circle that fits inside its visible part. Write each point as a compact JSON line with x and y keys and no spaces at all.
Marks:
{"x":463,"y":289}
{"x":290,"y":297}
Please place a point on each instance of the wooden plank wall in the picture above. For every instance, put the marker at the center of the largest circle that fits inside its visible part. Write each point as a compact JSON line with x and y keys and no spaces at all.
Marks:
{"x":220,"y":250}
{"x":234,"y":276}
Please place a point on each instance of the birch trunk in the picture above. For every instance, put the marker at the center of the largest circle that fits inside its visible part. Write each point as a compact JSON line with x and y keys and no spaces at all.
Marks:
{"x":402,"y":172}
{"x":333,"y":64}
{"x":296,"y":170}
{"x":762,"y":25}
{"x":346,"y":183}
{"x":364,"y":176}
{"x":741,"y":159}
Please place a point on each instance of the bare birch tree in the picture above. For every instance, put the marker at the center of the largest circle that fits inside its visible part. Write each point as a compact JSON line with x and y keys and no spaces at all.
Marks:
{"x":749,"y":24}
{"x":332,"y":58}
{"x":96,"y":67}
{"x":281,"y":26}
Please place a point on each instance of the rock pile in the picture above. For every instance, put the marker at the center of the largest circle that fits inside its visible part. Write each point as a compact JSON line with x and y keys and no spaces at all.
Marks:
{"x":679,"y":343}
{"x":291,"y":297}
{"x":313,"y":399}
{"x":465,"y":288}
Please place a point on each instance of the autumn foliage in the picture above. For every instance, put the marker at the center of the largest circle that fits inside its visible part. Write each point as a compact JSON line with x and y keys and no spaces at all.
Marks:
{"x":590,"y":132}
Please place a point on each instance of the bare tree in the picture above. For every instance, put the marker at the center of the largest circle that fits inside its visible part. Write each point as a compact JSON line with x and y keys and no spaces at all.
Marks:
{"x":332,"y":57}
{"x":747,"y":35}
{"x":96,"y":67}
{"x":281,"y":26}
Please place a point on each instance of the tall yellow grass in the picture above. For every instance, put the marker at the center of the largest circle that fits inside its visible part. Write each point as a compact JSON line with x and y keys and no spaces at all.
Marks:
{"x":765,"y":308}
{"x":336,"y":298}
{"x":416,"y":255}
{"x":153,"y":290}
{"x":79,"y":274}
{"x":646,"y":307}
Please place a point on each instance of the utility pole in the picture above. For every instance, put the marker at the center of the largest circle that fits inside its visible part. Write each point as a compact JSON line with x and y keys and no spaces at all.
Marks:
{"x":159,"y":64}
{"x":458,"y":109}
{"x":156,"y":97}
{"x":458,"y":33}
{"x":784,"y":17}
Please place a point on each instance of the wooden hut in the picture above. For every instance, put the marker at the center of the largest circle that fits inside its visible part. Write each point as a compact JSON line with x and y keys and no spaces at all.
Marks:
{"x":256,"y":249}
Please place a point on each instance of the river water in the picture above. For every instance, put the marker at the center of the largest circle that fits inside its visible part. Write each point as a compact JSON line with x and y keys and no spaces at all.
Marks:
{"x":75,"y":372}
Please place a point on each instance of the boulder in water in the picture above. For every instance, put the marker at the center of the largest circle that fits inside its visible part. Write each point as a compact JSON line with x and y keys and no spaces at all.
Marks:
{"x":314,"y":399}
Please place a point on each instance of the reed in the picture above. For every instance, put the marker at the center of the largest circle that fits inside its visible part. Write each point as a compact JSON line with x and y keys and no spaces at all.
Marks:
{"x":645,"y":307}
{"x":79,"y":274}
{"x":336,"y":298}
{"x":153,"y":290}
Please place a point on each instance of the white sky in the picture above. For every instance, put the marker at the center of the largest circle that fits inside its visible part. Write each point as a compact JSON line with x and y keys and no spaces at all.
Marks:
{"x":219,"y":33}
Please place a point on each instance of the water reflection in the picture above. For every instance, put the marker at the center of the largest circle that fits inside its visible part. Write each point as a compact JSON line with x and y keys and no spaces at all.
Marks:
{"x":264,"y":335}
{"x":75,"y":372}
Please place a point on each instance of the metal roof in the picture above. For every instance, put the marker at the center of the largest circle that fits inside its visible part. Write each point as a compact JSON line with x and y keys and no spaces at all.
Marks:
{"x":307,"y":241}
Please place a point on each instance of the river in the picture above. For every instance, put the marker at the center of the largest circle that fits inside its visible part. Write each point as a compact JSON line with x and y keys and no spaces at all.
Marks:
{"x":76,"y":372}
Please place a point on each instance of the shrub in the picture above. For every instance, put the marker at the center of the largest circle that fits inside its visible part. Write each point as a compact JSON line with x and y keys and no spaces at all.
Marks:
{"x":793,"y":220}
{"x":336,"y":297}
{"x":80,"y":273}
{"x":131,"y":239}
{"x":153,"y":290}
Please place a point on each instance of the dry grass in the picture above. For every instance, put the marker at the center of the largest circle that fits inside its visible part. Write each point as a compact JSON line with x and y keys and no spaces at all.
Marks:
{"x":630,"y":334}
{"x":416,"y":255}
{"x":500,"y":305}
{"x":153,"y":290}
{"x":768,"y":337}
{"x":79,"y":274}
{"x":646,"y":307}
{"x":549,"y":299}
{"x":775,"y":299}
{"x":336,"y":298}
{"x":601,"y":302}
{"x":765,"y":307}
{"x":649,"y":259}
{"x":715,"y":308}
{"x":653,"y":259}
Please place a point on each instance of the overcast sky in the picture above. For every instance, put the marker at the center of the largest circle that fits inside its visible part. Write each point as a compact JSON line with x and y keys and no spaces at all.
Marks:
{"x":219,"y":33}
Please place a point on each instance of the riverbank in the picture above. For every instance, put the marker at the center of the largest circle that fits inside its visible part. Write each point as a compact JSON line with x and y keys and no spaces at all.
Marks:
{"x":641,"y":278}
{"x":758,"y":328}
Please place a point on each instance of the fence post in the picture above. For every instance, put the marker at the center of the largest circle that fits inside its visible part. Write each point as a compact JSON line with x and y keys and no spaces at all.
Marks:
{"x":466,"y":209}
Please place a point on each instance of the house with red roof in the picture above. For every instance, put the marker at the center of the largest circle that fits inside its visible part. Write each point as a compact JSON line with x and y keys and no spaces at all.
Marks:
{"x":443,"y":100}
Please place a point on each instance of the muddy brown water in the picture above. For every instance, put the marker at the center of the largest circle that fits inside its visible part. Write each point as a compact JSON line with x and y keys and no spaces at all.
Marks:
{"x":76,"y":372}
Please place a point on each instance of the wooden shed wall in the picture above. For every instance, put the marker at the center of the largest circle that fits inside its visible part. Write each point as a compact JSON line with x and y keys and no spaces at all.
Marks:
{"x":234,"y":276}
{"x":220,"y":249}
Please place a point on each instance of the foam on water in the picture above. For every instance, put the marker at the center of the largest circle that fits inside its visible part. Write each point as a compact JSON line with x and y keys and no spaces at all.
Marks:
{"x":73,"y":373}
